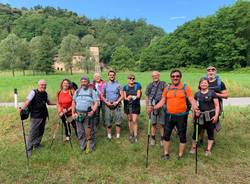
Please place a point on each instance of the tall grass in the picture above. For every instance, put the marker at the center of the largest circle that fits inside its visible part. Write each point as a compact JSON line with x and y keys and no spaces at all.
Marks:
{"x":121,"y":161}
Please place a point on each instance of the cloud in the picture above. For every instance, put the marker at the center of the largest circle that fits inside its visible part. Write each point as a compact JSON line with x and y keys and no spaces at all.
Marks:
{"x":180,"y":17}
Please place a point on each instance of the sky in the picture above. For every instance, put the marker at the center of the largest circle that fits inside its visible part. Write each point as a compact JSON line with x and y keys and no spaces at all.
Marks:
{"x":167,"y":14}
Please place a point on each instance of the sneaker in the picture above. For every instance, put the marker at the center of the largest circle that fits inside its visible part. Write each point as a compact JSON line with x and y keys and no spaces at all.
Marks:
{"x":165,"y":157}
{"x":135,"y":140}
{"x":131,"y":138}
{"x":179,"y":157}
{"x":161,"y":142}
{"x":207,"y":153}
{"x":67,"y":138}
{"x":152,"y":142}
{"x":193,"y":150}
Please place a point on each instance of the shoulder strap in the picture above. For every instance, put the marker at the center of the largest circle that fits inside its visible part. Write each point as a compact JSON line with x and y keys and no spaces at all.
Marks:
{"x":184,"y":89}
{"x":218,"y":82}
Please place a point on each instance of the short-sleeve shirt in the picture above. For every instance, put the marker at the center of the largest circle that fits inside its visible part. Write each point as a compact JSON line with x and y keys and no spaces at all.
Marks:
{"x":112,"y":91}
{"x":84,"y":99}
{"x":64,"y":99}
{"x":205,"y":101}
{"x":155,"y":90}
{"x":176,"y":98}
{"x":32,"y":94}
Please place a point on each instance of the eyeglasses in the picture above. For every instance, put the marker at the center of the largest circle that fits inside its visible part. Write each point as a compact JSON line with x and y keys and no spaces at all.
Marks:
{"x":131,"y":78}
{"x":175,"y":76}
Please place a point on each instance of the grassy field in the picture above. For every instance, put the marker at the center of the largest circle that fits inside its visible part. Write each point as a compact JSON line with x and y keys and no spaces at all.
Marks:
{"x":123,"y":162}
{"x":237,"y":83}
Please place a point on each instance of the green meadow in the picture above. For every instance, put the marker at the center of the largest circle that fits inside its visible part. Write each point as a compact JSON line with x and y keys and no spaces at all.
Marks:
{"x":237,"y":83}
{"x":121,"y":161}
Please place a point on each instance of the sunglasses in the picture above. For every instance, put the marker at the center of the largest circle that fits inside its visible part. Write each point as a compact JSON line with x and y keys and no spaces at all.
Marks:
{"x":131,"y":78}
{"x":175,"y":76}
{"x":211,"y":70}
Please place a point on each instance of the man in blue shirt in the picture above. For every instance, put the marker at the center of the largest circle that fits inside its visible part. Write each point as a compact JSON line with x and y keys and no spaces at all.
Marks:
{"x":84,"y":105}
{"x":112,"y":97}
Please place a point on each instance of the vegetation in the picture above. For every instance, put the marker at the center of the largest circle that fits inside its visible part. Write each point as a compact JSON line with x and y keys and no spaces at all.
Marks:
{"x":121,"y":161}
{"x":221,"y":39}
{"x":237,"y":83}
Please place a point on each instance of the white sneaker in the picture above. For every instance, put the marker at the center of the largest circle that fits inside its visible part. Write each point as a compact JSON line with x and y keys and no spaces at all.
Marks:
{"x":152,"y":142}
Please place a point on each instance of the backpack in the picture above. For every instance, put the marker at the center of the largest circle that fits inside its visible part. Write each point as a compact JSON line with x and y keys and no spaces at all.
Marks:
{"x":90,"y":92}
{"x":73,"y":85}
{"x":161,"y":84}
{"x":184,"y":90}
{"x":137,"y":86}
{"x":219,"y":81}
{"x":199,"y":95}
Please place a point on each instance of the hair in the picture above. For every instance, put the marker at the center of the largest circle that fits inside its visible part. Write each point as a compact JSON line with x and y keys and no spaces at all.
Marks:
{"x":131,"y":75}
{"x":97,"y":74}
{"x":156,"y":72}
{"x":61,"y":84}
{"x":111,"y":71}
{"x":41,"y":81}
{"x":174,"y":71}
{"x":201,"y":80}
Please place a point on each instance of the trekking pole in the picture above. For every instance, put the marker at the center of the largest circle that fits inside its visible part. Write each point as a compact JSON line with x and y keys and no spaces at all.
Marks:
{"x":244,"y":115}
{"x":54,"y":134}
{"x":68,"y":129}
{"x":196,"y":141}
{"x":88,"y":138}
{"x":149,"y":128}
{"x":25,"y":144}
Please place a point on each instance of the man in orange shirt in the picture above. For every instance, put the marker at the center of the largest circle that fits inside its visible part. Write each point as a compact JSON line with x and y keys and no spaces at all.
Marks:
{"x":177,"y":97}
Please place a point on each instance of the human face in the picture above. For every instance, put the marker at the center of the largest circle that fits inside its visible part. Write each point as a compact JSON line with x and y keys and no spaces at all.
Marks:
{"x":155,"y":76}
{"x":131,"y":80}
{"x":204,"y":85}
{"x":97,"y":78}
{"x":176,"y":78}
{"x":42,"y":86}
{"x":211,"y":72}
{"x":111,"y":76}
{"x":84,"y":83}
{"x":65,"y":85}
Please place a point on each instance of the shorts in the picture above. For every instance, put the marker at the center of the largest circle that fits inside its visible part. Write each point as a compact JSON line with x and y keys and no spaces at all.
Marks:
{"x":112,"y":116}
{"x":135,"y":109}
{"x":158,"y":116}
{"x":180,"y":122}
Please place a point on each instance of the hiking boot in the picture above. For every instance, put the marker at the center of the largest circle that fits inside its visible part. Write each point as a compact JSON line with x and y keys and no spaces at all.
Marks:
{"x":165,"y":157}
{"x":130,"y":138}
{"x":152,"y":142}
{"x":207,"y":153}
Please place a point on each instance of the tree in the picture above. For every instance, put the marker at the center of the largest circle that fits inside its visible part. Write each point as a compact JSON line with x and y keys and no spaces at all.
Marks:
{"x":10,"y":52}
{"x":69,"y":46}
{"x":87,"y":62}
{"x":122,"y":58}
{"x":24,"y":56}
{"x":42,"y":54}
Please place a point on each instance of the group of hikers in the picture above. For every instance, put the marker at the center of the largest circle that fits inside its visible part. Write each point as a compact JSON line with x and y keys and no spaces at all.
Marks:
{"x":167,"y":104}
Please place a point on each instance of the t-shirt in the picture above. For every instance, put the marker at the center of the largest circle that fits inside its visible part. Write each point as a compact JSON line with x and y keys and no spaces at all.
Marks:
{"x":64,"y":100}
{"x":176,"y":98}
{"x":205,"y":101}
{"x":133,"y":92}
{"x":151,"y":91}
{"x":84,"y":99}
{"x":112,"y":90}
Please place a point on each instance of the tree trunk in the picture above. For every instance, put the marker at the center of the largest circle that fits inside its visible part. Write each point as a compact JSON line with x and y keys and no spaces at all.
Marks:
{"x":71,"y":73}
{"x":23,"y":72}
{"x":13,"y":72}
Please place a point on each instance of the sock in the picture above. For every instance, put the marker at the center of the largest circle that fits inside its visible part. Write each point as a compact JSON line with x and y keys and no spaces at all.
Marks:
{"x":109,"y":136}
{"x":117,"y":135}
{"x":153,"y":137}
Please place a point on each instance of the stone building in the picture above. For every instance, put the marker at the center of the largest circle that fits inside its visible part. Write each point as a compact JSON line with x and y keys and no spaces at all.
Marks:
{"x":76,"y":60}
